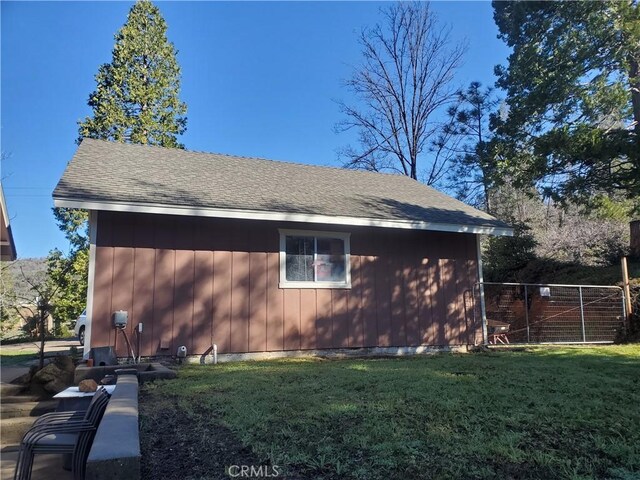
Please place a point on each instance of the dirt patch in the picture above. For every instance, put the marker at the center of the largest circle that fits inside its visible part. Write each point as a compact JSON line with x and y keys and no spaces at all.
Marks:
{"x":179,"y":442}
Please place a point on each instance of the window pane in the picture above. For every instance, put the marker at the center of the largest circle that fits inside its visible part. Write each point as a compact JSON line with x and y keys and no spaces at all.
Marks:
{"x":330,"y":260}
{"x":299,"y":260}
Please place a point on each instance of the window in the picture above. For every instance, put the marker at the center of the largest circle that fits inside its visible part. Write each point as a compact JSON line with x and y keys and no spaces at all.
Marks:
{"x":314,"y":259}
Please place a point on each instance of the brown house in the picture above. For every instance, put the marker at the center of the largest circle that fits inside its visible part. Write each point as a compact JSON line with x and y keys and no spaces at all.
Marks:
{"x":255,"y":255}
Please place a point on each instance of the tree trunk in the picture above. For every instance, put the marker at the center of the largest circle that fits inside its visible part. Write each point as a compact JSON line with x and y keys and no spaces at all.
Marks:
{"x":42,"y":321}
{"x":485,"y":186}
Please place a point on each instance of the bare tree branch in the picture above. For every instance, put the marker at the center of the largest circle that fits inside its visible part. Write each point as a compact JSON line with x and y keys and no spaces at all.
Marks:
{"x":405,"y":78}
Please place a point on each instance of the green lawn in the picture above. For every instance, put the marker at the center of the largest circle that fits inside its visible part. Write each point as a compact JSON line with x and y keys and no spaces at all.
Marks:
{"x":542,"y":413}
{"x":18,"y":358}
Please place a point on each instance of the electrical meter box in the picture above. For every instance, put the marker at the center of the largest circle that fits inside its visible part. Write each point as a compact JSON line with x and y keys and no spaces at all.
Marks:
{"x":120,"y":318}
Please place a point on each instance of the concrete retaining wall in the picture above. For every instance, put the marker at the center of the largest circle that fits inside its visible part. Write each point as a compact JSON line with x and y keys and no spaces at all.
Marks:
{"x":147,"y":372}
{"x":115,"y":452}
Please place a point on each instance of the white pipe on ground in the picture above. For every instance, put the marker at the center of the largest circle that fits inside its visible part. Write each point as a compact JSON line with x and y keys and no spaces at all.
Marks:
{"x":215,"y":354}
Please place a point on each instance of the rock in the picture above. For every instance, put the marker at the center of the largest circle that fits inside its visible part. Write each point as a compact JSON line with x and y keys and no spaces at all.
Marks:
{"x":108,"y":380}
{"x":54,"y":377}
{"x":37,"y":389}
{"x":48,"y":373}
{"x":56,"y":385}
{"x":64,"y":362}
{"x":88,"y":385}
{"x":25,"y":379}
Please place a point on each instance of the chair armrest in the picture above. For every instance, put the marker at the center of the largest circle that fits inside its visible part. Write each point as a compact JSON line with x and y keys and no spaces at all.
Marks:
{"x":59,"y":417}
{"x":73,"y":426}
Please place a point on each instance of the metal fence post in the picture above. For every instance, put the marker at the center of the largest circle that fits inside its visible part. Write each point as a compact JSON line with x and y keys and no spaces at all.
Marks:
{"x":526,"y":312}
{"x":584,"y":335}
{"x":625,"y":314}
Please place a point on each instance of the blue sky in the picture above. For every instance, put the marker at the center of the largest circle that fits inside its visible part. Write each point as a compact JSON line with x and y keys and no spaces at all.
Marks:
{"x":259,"y":79}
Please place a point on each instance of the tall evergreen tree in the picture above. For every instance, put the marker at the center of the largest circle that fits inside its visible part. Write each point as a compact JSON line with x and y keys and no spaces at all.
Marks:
{"x":136,"y":101}
{"x":472,"y":175}
{"x":137,"y":96}
{"x":573,"y":92}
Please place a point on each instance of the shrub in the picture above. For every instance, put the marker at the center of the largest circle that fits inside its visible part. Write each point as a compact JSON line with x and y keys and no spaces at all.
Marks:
{"x":506,"y":256}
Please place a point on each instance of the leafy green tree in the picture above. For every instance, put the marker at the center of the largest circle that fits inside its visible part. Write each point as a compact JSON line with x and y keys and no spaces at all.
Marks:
{"x":573,"y":95}
{"x":136,"y":101}
{"x":69,"y":275}
{"x":7,"y":300}
{"x":73,"y":223}
{"x":614,"y":208}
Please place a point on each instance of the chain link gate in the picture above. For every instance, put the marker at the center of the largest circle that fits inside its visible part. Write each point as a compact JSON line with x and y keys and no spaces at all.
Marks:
{"x":546,"y":313}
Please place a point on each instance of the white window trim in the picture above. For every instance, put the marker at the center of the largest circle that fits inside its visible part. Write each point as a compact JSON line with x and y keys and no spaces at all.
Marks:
{"x":344,"y":236}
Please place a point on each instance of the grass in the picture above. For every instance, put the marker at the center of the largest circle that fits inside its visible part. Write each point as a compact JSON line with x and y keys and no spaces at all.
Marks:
{"x":541,"y":413}
{"x":18,"y":358}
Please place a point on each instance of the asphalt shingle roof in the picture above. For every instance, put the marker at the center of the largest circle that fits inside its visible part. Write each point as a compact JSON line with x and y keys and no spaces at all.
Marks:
{"x":102,"y":171}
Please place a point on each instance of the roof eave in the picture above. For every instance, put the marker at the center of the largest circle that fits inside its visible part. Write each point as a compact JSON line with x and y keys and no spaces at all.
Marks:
{"x":163,"y":209}
{"x":7,"y":245}
{"x":8,"y":251}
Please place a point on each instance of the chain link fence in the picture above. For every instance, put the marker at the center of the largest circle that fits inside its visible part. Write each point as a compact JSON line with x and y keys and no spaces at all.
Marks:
{"x":536,"y":313}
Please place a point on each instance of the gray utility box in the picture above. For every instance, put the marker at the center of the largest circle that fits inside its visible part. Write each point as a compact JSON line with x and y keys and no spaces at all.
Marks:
{"x":120,"y":318}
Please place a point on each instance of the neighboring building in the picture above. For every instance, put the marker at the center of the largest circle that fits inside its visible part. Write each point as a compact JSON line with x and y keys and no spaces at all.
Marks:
{"x":7,"y":246}
{"x":261,"y":256}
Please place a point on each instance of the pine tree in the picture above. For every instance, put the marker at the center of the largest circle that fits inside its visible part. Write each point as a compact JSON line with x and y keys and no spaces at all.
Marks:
{"x":573,"y":95}
{"x":472,"y":172}
{"x":136,"y":101}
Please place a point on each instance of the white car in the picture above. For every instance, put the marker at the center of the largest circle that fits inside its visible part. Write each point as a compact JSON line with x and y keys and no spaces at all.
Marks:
{"x":81,"y":324}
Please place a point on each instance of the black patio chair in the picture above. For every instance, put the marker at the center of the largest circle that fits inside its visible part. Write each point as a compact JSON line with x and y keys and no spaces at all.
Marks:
{"x":59,"y":417}
{"x":62,"y":435}
{"x":62,"y":417}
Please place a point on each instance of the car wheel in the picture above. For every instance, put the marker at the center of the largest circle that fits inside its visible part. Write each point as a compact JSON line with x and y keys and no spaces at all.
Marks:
{"x":81,"y":336}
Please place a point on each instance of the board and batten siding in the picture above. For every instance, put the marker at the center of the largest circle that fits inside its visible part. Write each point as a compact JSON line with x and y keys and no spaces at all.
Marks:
{"x":196,"y":281}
